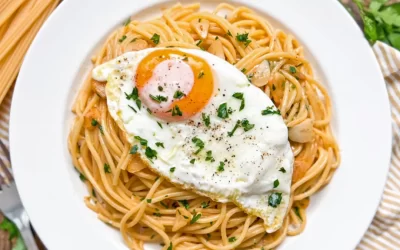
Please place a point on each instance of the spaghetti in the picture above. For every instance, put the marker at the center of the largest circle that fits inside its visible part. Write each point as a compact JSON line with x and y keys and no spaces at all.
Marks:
{"x":146,"y":208}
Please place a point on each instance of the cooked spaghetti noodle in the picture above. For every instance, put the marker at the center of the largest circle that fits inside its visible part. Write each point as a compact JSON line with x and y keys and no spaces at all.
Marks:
{"x":147,"y":208}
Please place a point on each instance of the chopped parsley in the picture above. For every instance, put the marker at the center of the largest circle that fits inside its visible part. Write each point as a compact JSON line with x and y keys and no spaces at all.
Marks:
{"x":216,"y":38}
{"x":155,"y":38}
{"x":282,"y":170}
{"x":122,"y":39}
{"x":135,"y":97}
{"x":276,"y":183}
{"x":234,"y":128}
{"x":94,"y":122}
{"x":150,"y":153}
{"x":192,"y":161}
{"x":209,"y":156}
{"x":221,"y":166}
{"x":159,"y":98}
{"x":172,"y":169}
{"x":199,"y":143}
{"x":199,"y":42}
{"x":271,"y":110}
{"x":170,"y":246}
{"x":134,"y":110}
{"x":184,"y":203}
{"x":176,"y":111}
{"x":249,"y":77}
{"x":107,"y":168}
{"x":223,"y":111}
{"x":160,"y":144}
{"x":127,"y":22}
{"x":206,"y":119}
{"x":148,"y":200}
{"x":246,"y":125}
{"x":164,"y":205}
{"x":159,"y":124}
{"x":178,"y":94}
{"x":201,"y":74}
{"x":244,"y":38}
{"x":292,"y":69}
{"x":275,"y":199}
{"x":239,"y":95}
{"x":243,"y":70}
{"x":160,"y":88}
{"x":195,"y":218}
{"x":142,"y":141}
{"x":149,"y":111}
{"x":134,"y":150}
{"x":205,"y":204}
{"x":297,"y":212}
{"x":232,"y":239}
{"x":82,"y":177}
{"x":229,"y":33}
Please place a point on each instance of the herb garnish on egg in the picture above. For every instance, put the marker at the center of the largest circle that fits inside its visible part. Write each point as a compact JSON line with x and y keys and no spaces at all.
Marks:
{"x":142,"y":141}
{"x":94,"y":122}
{"x":223,"y":111}
{"x":205,"y":205}
{"x":209,"y":156}
{"x":160,"y":144}
{"x":201,"y":74}
{"x":282,"y":170}
{"x":135,"y":97}
{"x":221,"y":166}
{"x":171,"y":170}
{"x":276,"y":183}
{"x":159,"y":124}
{"x":271,"y":110}
{"x":232,"y":239}
{"x":150,"y":153}
{"x":195,"y":218}
{"x":134,"y":150}
{"x":206,"y":119}
{"x":239,"y":95}
{"x":176,"y":111}
{"x":178,"y":94}
{"x":199,"y":143}
{"x":159,"y":98}
{"x":275,"y":199}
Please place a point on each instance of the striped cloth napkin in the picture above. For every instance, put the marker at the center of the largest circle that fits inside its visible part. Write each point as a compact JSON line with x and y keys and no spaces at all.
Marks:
{"x":384,"y":231}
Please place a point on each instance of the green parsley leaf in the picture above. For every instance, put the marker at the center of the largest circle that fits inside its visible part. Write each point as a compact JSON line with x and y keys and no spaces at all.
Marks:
{"x":107,"y":168}
{"x":232,"y":239}
{"x":275,"y":199}
{"x":229,"y":33}
{"x":134,"y":110}
{"x":178,"y":94}
{"x":221,"y":166}
{"x":134,"y":95}
{"x":244,"y":38}
{"x":195,"y":218}
{"x":282,"y":170}
{"x":292,"y":69}
{"x":184,"y":203}
{"x":127,"y":22}
{"x":159,"y":98}
{"x":276,"y":183}
{"x":160,"y":144}
{"x":142,"y":141}
{"x":243,"y":70}
{"x":238,"y":95}
{"x":122,"y":39}
{"x":192,"y":161}
{"x":209,"y":156}
{"x":205,"y":204}
{"x":82,"y":177}
{"x":223,"y":111}
{"x":271,"y":110}
{"x":206,"y":119}
{"x":148,"y":200}
{"x":138,"y":103}
{"x":201,"y":74}
{"x":155,"y":38}
{"x":176,"y":111}
{"x":230,"y":134}
{"x":170,"y":246}
{"x":94,"y":122}
{"x":159,"y":124}
{"x":150,"y":153}
{"x":172,"y":170}
{"x":297,"y":212}
{"x":199,"y":42}
{"x":101,"y":129}
{"x":216,"y":38}
{"x":246,"y":125}
{"x":149,"y":111}
{"x":199,"y":143}
{"x":134,"y":150}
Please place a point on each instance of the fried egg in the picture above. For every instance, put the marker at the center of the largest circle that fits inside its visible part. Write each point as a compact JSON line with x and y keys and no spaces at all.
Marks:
{"x":197,"y":121}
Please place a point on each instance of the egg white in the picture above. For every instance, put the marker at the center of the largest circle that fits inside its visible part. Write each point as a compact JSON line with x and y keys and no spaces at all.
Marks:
{"x":252,"y":159}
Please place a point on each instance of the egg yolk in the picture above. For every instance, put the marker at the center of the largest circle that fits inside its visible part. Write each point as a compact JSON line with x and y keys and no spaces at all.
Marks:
{"x":174,"y":85}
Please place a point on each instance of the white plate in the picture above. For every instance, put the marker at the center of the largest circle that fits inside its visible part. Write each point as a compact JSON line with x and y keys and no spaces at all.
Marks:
{"x":52,"y":192}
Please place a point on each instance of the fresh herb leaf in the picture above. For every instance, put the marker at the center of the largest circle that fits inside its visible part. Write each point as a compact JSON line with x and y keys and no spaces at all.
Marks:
{"x":230,"y":134}
{"x":192,"y":161}
{"x":148,"y":200}
{"x":122,"y":39}
{"x":176,"y":111}
{"x":142,"y":141}
{"x":82,"y":177}
{"x":244,"y":38}
{"x":209,"y":156}
{"x":229,"y":33}
{"x":292,"y":69}
{"x":160,"y":88}
{"x":101,"y":129}
{"x":276,"y":183}
{"x":297,"y":212}
{"x":134,"y":95}
{"x":138,"y":103}
{"x":199,"y":42}
{"x":206,"y":119}
{"x":184,"y":203}
{"x":107,"y":168}
{"x":157,"y":214}
{"x":155,"y":38}
{"x":159,"y":98}
{"x":149,"y":111}
{"x":94,"y":122}
{"x":134,"y":150}
{"x":195,"y":218}
{"x":178,"y":94}
{"x":221,"y":166}
{"x":282,"y":170}
{"x":243,"y":70}
{"x":172,"y":169}
{"x":223,"y":111}
{"x":159,"y":124}
{"x":127,"y":22}
{"x":199,"y":143}
{"x":232,"y":239}
{"x":271,"y":110}
{"x":246,"y":125}
{"x":134,"y":110}
{"x":150,"y":153}
{"x":160,"y":144}
{"x":275,"y":199}
{"x":205,"y":204}
{"x":238,"y":95}
{"x":216,"y":38}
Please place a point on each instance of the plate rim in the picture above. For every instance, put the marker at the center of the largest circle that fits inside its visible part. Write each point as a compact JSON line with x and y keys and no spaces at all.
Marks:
{"x":16,"y":142}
